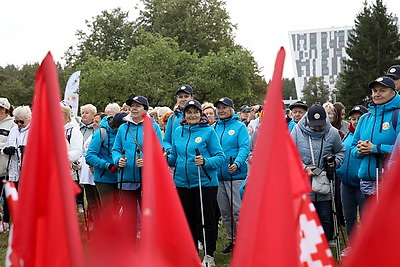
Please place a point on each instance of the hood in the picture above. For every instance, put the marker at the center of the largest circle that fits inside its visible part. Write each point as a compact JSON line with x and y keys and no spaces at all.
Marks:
{"x":235,"y":117}
{"x":7,"y":120}
{"x":306,"y":128}
{"x":392,"y":104}
{"x":104,"y":124}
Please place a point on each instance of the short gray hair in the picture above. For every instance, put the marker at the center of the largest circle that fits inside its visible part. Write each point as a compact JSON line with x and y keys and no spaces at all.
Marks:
{"x":23,"y":112}
{"x":89,"y":107}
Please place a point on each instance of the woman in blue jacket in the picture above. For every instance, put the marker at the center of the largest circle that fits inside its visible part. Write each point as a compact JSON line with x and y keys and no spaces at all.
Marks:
{"x":127,"y":155}
{"x":99,"y":156}
{"x":352,"y":198}
{"x":234,"y":139}
{"x":194,"y":135}
{"x":376,"y":133}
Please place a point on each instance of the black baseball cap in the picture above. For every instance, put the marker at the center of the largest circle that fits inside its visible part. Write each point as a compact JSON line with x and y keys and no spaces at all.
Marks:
{"x":316,"y":116}
{"x":193,"y":103}
{"x":140,"y":100}
{"x":394,"y":72}
{"x":185,"y":88}
{"x":118,"y":118}
{"x":226,"y":101}
{"x":298,"y":104}
{"x":358,"y":108}
{"x":383,"y":80}
{"x":245,"y":109}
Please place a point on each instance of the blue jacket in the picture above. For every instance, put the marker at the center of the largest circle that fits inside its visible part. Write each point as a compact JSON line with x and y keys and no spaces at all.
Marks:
{"x":377,"y":127}
{"x":184,"y":142}
{"x":99,"y":155}
{"x":291,"y":125}
{"x":348,"y":172}
{"x":234,"y":139}
{"x":130,"y":138}
{"x":173,"y":122}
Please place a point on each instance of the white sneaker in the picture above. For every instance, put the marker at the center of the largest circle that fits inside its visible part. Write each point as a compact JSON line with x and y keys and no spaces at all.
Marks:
{"x":208,"y":261}
{"x":345,"y":252}
{"x":4,"y":227}
{"x":200,"y":245}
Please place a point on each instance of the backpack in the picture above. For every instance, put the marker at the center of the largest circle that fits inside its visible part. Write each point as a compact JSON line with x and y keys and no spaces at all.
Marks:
{"x":103,"y":133}
{"x":68,"y":134}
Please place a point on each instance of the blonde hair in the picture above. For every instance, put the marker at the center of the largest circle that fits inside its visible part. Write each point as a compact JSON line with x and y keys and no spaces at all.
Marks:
{"x":207,"y":105}
{"x":89,"y":107}
{"x":67,"y":112}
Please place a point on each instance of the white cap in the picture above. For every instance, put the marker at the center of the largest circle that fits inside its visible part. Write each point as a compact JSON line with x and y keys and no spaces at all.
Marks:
{"x":4,"y":103}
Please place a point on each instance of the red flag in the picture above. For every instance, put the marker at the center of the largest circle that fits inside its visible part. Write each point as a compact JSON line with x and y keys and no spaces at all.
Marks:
{"x":268,"y":233}
{"x":375,"y":242}
{"x":166,"y":239}
{"x":314,"y":248}
{"x":110,"y":243}
{"x":46,"y":231}
{"x":12,"y":200}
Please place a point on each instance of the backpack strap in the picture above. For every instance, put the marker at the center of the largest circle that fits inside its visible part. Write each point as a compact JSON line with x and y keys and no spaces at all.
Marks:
{"x":395,"y":116}
{"x":103,"y":133}
{"x":68,"y":134}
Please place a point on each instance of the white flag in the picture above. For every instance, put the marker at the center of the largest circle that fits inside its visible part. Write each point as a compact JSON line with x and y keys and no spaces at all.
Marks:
{"x":71,"y":94}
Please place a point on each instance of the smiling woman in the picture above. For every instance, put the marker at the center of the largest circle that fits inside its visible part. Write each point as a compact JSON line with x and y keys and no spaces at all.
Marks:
{"x":376,"y":133}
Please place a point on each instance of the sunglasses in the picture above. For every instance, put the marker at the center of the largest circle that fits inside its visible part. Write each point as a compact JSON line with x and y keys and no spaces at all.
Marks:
{"x":19,"y":121}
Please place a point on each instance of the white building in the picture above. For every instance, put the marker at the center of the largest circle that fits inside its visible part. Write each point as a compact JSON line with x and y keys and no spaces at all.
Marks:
{"x":318,"y":52}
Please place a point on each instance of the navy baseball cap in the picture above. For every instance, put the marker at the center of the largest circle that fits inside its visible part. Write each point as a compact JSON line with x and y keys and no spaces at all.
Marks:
{"x":226,"y":101}
{"x":316,"y":116}
{"x":383,"y":80}
{"x":193,"y":103}
{"x":394,"y":72}
{"x":140,"y":100}
{"x":185,"y":88}
{"x":358,"y":108}
{"x":118,"y":118}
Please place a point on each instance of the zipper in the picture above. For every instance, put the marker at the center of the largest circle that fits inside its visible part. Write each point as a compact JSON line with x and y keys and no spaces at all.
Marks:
{"x":186,"y":163}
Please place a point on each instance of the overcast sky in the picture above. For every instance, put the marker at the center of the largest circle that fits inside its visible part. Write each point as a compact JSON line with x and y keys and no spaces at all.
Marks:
{"x":29,"y":29}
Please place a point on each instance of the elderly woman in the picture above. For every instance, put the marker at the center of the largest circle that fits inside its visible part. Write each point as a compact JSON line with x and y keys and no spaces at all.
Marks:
{"x":209,"y":111}
{"x":196,"y":155}
{"x":17,"y":140}
{"x":6,"y":124}
{"x":234,"y":139}
{"x":74,"y":139}
{"x":376,"y":134}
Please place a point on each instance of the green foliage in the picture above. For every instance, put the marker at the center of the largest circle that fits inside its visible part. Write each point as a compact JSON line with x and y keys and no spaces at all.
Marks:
{"x":109,"y":36}
{"x":199,"y":26}
{"x":373,"y":48}
{"x":289,"y":89}
{"x":156,"y":67}
{"x":315,"y":91}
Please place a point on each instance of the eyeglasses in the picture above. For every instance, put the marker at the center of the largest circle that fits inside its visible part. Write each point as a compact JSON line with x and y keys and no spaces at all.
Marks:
{"x":19,"y":122}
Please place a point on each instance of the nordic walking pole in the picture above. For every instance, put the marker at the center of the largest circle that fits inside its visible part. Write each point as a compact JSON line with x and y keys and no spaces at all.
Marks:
{"x":201,"y":205}
{"x":335,"y":222}
{"x":121,"y":169}
{"x":231,"y":176}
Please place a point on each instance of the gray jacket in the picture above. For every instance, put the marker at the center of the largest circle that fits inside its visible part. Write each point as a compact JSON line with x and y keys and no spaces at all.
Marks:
{"x":328,"y":142}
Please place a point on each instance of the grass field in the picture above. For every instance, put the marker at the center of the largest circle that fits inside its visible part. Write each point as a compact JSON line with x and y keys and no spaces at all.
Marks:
{"x":221,"y":260}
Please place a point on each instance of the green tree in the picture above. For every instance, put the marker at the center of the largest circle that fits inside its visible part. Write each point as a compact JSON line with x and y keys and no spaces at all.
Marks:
{"x":156,"y":68}
{"x":315,"y":91}
{"x":373,"y":47}
{"x":289,"y":89}
{"x":108,"y":36}
{"x":198,"y":25}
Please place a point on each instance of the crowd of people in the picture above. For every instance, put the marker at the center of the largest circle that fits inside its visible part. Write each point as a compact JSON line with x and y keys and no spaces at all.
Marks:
{"x":208,"y":148}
